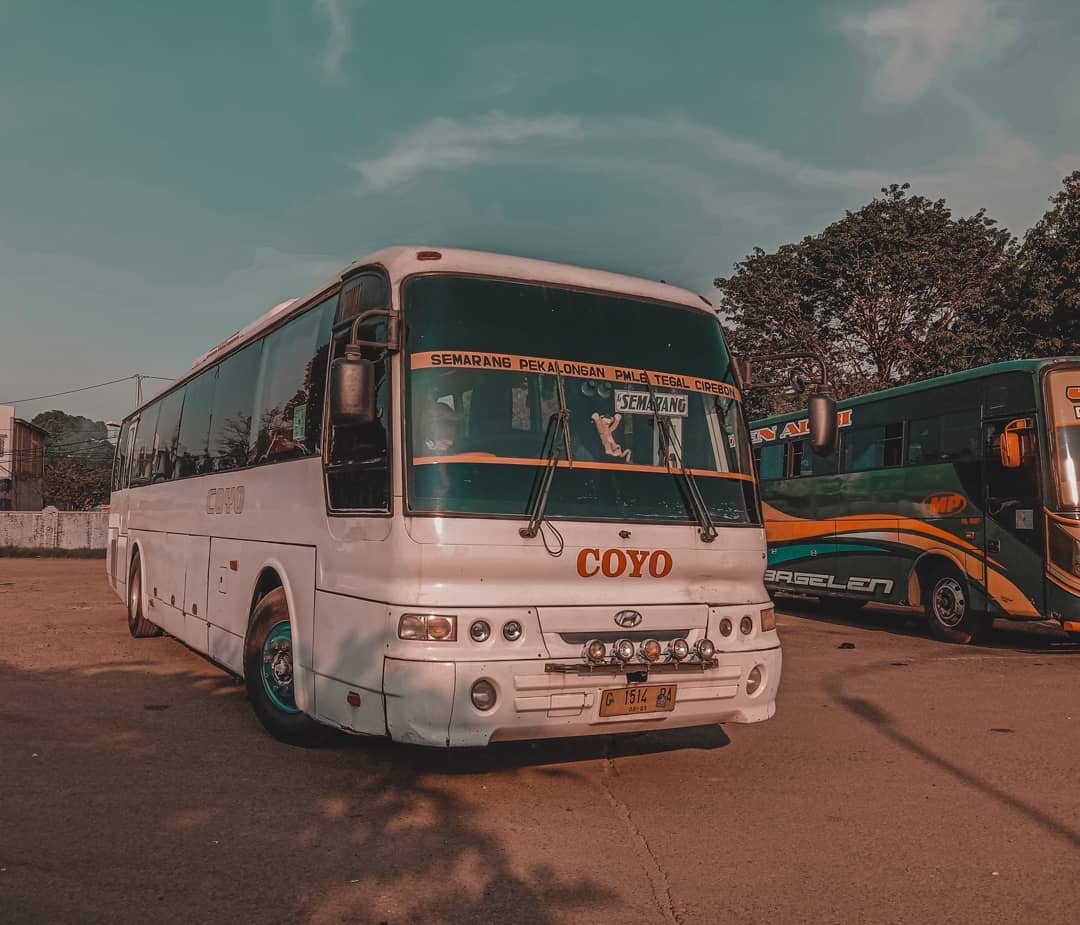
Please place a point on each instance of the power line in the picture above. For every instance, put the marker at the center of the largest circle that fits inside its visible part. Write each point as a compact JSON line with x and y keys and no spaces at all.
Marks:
{"x":85,"y":388}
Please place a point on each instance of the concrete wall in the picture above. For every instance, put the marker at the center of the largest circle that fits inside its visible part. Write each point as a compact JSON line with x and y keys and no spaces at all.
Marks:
{"x":54,"y":530}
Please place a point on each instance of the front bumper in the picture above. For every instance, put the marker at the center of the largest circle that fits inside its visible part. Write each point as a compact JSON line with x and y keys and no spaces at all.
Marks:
{"x":430,"y":703}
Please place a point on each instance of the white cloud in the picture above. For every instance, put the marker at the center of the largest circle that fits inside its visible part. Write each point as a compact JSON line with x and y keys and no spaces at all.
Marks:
{"x":337,"y":42}
{"x":912,"y":44}
{"x":1005,"y":174}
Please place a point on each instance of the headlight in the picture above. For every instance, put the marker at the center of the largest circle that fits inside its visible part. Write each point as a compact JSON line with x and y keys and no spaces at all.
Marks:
{"x":512,"y":631}
{"x":483,"y":694}
{"x":480,"y":630}
{"x":746,"y":625}
{"x":754,"y":679}
{"x":768,"y":619}
{"x":725,"y":627}
{"x":1064,"y":549}
{"x":432,"y":627}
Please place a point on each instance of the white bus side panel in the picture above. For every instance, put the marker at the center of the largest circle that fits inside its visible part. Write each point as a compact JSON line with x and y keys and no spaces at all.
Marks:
{"x":235,"y":566}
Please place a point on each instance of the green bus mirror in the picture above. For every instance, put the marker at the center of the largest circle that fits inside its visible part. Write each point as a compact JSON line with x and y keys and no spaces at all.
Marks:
{"x":821,"y":411}
{"x":352,"y":391}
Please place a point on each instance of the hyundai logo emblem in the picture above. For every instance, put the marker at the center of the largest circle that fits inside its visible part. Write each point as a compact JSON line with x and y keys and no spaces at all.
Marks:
{"x":627,"y":618}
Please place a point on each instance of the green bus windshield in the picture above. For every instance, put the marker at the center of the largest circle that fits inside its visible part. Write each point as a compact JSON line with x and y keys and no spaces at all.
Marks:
{"x":485,"y":359}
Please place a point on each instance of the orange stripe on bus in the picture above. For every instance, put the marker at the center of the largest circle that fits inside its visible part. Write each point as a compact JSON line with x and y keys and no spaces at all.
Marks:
{"x":492,"y":459}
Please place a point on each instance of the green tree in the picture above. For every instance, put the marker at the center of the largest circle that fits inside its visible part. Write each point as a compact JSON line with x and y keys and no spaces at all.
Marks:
{"x":1047,"y":281}
{"x":78,"y":460}
{"x":888,"y":294}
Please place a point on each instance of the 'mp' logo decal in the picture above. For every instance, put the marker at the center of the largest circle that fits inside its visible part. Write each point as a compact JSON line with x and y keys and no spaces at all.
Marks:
{"x":943,"y":504}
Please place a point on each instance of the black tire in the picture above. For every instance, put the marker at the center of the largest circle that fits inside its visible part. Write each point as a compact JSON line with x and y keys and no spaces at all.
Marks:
{"x":263,"y":672}
{"x":948,"y":608}
{"x":138,"y":625}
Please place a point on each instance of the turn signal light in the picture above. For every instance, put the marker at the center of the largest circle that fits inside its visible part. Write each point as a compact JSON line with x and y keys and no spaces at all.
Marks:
{"x":768,"y":619}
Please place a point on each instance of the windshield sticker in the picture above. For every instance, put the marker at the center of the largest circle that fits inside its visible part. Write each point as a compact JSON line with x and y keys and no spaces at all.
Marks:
{"x":667,"y":404}
{"x":606,"y":427}
{"x":793,"y":428}
{"x":595,"y":371}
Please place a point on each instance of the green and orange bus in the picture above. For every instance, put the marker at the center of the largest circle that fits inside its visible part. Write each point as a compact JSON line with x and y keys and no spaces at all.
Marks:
{"x":959,"y":495}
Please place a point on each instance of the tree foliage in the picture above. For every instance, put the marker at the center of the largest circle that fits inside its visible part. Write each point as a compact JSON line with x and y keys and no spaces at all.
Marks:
{"x":887,"y":294}
{"x":1047,"y":278}
{"x":78,"y":460}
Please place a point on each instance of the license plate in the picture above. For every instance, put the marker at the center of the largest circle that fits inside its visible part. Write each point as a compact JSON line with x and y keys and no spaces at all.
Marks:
{"x":644,"y":698}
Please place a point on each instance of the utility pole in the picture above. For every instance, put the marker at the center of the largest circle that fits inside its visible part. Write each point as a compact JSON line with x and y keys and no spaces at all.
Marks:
{"x":138,"y":389}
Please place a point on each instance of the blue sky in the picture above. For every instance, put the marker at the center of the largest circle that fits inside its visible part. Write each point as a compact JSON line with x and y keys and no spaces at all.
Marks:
{"x":169,"y":171}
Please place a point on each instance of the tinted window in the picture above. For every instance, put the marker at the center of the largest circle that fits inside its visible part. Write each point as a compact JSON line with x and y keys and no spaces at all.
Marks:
{"x":772,"y":461}
{"x":234,"y":399}
{"x":142,"y":453}
{"x":284,"y":428}
{"x":168,"y":428}
{"x":806,"y":462}
{"x":875,"y":447}
{"x":120,"y":461}
{"x":944,"y":437}
{"x":192,"y":453}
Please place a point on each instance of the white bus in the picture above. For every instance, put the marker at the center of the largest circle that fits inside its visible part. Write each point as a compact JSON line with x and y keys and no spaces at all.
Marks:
{"x":455,"y":498}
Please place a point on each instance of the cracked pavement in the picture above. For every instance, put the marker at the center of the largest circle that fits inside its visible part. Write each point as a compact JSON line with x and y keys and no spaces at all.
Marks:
{"x":900,"y":780}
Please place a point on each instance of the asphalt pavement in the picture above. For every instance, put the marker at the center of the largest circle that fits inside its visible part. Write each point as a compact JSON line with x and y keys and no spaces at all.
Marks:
{"x":902,"y":780}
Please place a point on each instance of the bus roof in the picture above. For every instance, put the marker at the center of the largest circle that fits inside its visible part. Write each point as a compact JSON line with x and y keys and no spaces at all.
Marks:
{"x":402,"y":261}
{"x":913,"y":388}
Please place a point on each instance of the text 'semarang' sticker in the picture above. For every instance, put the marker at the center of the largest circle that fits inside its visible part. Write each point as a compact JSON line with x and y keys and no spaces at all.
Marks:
{"x":622,"y":374}
{"x":666,"y":404}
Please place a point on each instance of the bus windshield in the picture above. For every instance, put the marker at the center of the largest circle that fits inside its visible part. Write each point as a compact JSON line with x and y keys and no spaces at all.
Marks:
{"x":1063,"y":387}
{"x":485,"y":359}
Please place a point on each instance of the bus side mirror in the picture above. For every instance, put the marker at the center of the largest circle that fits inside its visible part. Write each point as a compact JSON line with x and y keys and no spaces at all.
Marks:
{"x":1014,"y":443}
{"x":822,"y":414}
{"x":352,"y":391}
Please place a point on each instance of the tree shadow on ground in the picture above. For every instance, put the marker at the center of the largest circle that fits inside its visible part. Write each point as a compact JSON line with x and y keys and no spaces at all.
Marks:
{"x":133,"y":791}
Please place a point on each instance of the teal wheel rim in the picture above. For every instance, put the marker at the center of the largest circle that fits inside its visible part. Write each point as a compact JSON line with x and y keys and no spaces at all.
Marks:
{"x":277,"y":667}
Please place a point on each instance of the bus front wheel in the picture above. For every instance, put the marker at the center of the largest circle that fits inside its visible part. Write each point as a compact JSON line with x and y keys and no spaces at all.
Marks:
{"x":948,"y":608}
{"x":268,"y":673}
{"x":138,"y":625}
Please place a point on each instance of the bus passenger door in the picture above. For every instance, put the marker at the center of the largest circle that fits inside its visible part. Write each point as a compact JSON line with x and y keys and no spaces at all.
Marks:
{"x":1013,"y":528}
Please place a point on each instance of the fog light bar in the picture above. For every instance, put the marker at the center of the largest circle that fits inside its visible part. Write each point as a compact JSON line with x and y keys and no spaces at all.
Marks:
{"x":754,"y":679}
{"x":623,"y":650}
{"x":705,"y":649}
{"x":725,"y":627}
{"x":746,"y":625}
{"x":768,"y":619}
{"x":595,"y":651}
{"x":483,"y":694}
{"x":679,"y":649}
{"x":650,"y":650}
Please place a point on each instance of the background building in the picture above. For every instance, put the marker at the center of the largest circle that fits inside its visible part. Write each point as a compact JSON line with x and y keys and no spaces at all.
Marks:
{"x":22,"y":462}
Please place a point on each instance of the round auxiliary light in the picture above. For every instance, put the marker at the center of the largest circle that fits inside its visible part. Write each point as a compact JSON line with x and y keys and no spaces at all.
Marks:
{"x":746,"y":625}
{"x":624,"y":650}
{"x":705,"y":649}
{"x":480,"y":631}
{"x":512,"y":631}
{"x":754,"y":679}
{"x":483,"y":694}
{"x":725,"y":627}
{"x":679,"y":649}
{"x":650,"y":650}
{"x":595,"y":651}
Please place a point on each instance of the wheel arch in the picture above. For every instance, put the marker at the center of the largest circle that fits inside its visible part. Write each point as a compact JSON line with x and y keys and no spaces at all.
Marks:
{"x":925,"y":565}
{"x":272,"y":574}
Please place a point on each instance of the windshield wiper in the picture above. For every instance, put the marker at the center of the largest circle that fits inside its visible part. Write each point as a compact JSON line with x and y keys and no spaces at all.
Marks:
{"x":698,"y":507}
{"x":560,"y":420}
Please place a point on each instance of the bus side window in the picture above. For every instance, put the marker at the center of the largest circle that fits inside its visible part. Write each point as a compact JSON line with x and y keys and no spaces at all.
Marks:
{"x":358,"y":457}
{"x":944,"y":437}
{"x":168,"y":428}
{"x":793,"y":458}
{"x":142,"y":453}
{"x":234,"y":399}
{"x":771,"y":465}
{"x":878,"y":446}
{"x":192,"y":446}
{"x":120,"y":460}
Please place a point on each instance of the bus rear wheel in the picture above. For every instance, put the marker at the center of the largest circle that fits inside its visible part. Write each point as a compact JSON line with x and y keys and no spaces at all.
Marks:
{"x":138,"y":625}
{"x":948,"y":608}
{"x":268,"y":674}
